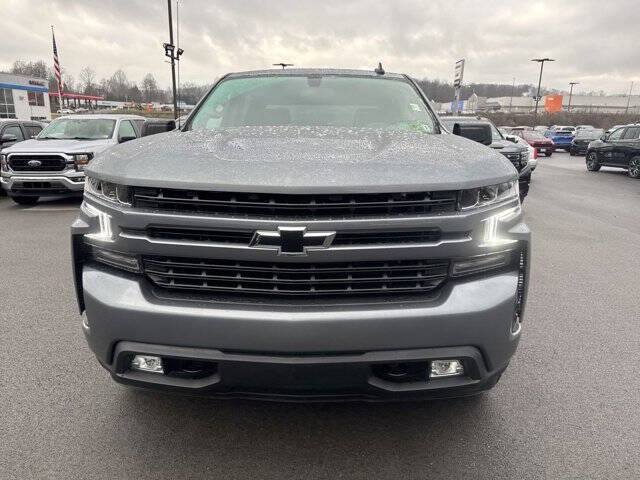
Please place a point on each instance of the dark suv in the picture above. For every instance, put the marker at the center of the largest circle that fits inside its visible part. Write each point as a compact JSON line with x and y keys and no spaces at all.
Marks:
{"x":518,"y":155}
{"x":307,"y":234}
{"x":620,"y":148}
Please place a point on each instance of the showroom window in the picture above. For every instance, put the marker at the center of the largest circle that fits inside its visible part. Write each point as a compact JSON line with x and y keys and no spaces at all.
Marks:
{"x":36,"y":99}
{"x":7,"y":109}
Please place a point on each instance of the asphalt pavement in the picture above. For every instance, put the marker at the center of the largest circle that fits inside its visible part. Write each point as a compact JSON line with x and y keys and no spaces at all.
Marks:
{"x":567,"y":407}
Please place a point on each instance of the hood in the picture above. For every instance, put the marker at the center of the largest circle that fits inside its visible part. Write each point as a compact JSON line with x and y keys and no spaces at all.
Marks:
{"x":507,"y":146}
{"x":303,"y":160}
{"x":60,"y":146}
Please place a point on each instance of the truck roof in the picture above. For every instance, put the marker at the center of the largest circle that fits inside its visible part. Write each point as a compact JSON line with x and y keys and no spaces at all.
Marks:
{"x":107,"y":116}
{"x":315,"y":71}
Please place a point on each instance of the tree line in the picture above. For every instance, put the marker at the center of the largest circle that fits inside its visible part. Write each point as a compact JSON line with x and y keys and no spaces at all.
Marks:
{"x":117,"y":87}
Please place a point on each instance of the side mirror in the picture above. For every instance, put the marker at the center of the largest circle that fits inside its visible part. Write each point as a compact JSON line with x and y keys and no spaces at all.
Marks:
{"x":478,"y":132}
{"x":126,"y":139}
{"x":512,"y":138}
{"x":604,"y":137}
{"x":152,"y":127}
{"x":8,"y":138}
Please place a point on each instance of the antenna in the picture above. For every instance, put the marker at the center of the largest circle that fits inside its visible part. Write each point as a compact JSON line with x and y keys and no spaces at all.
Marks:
{"x":379,"y":70}
{"x":282,"y":65}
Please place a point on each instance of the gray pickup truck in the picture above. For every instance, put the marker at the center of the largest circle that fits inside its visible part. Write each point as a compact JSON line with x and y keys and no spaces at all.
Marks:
{"x":305,"y":235}
{"x":52,"y":163}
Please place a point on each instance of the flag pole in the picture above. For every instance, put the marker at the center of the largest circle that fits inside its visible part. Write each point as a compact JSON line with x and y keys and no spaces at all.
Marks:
{"x":56,"y":68}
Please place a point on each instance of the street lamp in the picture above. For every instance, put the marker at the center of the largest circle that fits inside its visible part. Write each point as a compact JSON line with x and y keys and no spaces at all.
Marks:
{"x":571,"y":93}
{"x":541,"y":62}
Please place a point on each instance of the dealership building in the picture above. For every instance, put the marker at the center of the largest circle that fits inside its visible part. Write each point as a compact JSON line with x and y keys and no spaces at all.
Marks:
{"x":24,"y":98}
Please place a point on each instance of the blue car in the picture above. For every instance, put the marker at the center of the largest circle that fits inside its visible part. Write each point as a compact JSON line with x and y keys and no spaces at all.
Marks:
{"x":562,"y":137}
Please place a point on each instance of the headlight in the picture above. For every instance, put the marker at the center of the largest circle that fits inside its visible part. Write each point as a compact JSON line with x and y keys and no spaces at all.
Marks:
{"x":4,"y":166}
{"x":81,"y":160}
{"x":108,"y":191}
{"x":480,"y":197}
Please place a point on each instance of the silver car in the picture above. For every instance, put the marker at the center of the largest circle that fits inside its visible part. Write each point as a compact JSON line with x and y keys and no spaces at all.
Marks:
{"x":52,"y":164}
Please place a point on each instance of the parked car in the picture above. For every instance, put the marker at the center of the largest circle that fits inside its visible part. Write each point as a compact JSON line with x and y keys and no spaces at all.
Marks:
{"x":561,"y":137}
{"x":584,"y":127}
{"x":541,"y":128}
{"x":13,"y":131}
{"x":583,"y":138}
{"x":344,"y":247}
{"x":542,"y":144}
{"x":52,"y":164}
{"x":620,"y":149}
{"x":66,"y":111}
{"x":533,"y":152}
{"x":518,"y":155}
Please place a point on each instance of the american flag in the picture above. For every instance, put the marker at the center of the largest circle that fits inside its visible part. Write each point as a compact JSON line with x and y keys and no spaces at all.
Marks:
{"x":56,"y":65}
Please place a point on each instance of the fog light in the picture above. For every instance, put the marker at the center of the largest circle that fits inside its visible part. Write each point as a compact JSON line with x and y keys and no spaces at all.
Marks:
{"x":147,"y":363}
{"x":116,"y":259}
{"x":446,"y":368}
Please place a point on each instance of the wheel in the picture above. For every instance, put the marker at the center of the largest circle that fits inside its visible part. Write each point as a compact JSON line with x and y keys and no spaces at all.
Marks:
{"x":548,"y":154}
{"x":25,"y":200}
{"x":593,"y":165}
{"x":571,"y":153}
{"x":634,"y":167}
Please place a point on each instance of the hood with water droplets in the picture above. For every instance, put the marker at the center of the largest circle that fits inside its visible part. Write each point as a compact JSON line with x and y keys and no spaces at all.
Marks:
{"x":303,"y":160}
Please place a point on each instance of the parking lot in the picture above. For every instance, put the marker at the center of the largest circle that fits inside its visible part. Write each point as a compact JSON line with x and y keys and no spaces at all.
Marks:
{"x":567,"y":407}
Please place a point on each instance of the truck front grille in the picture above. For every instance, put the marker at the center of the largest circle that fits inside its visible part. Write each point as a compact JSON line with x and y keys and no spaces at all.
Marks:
{"x":296,"y":279}
{"x":308,"y":206}
{"x":48,"y":163}
{"x":345,"y":238}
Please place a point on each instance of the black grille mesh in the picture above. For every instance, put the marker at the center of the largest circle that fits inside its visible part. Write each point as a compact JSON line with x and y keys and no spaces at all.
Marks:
{"x":297,"y":279}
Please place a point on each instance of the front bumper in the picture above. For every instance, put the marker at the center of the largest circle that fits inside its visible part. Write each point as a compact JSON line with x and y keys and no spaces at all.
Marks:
{"x":579,"y":149}
{"x":301,"y":349}
{"x":472,"y":319}
{"x":24,"y":185}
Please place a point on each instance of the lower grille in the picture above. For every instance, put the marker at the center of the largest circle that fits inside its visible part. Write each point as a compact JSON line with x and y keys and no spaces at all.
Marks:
{"x":243,"y":237}
{"x":297,"y":279}
{"x":47,"y":163}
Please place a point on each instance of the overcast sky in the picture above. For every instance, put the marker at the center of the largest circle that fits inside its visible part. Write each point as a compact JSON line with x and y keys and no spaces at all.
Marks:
{"x":595,"y":43}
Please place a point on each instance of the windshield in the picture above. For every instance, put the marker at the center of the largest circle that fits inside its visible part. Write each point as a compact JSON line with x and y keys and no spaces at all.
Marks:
{"x":593,"y":133}
{"x":78,"y":129}
{"x":315,"y":100}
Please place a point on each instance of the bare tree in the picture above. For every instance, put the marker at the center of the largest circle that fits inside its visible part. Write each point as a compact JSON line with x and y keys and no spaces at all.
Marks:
{"x":149,"y":88}
{"x":69,"y":82}
{"x":87,"y":79}
{"x":33,"y":69}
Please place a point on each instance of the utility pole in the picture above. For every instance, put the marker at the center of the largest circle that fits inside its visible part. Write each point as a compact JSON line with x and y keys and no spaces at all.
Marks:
{"x":170,"y":51}
{"x":541,"y":62}
{"x":513,"y":86}
{"x":626,"y":110}
{"x":570,"y":94}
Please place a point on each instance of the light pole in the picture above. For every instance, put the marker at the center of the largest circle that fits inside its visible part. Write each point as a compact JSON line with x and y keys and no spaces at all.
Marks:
{"x":570,"y":94}
{"x":171,"y":52}
{"x":541,"y":62}
{"x":626,"y":110}
{"x":513,"y":86}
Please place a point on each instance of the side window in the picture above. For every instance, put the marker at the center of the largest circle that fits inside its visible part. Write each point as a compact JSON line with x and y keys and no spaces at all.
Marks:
{"x":139,"y":124}
{"x":32,"y":130}
{"x":617,"y":134}
{"x":126,"y":130}
{"x":631,"y":133}
{"x":14,"y":130}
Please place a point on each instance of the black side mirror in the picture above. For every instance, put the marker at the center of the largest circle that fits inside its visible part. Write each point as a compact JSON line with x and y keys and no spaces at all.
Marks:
{"x":604,"y":137}
{"x":126,"y":139}
{"x":8,"y":138}
{"x":478,"y":132}
{"x":511,"y":138}
{"x":152,"y":127}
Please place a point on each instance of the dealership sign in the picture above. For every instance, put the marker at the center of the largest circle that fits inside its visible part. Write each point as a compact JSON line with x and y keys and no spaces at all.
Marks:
{"x":459,"y":72}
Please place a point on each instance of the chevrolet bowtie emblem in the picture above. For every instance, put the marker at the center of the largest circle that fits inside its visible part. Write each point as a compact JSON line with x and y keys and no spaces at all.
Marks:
{"x":292,"y":240}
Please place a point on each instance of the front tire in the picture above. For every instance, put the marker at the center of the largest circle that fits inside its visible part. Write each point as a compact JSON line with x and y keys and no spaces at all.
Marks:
{"x":634,"y":167}
{"x":548,"y":154}
{"x":593,"y":165}
{"x":25,"y":200}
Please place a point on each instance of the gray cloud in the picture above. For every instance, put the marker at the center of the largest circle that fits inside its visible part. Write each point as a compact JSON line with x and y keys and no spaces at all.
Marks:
{"x":594,"y":43}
